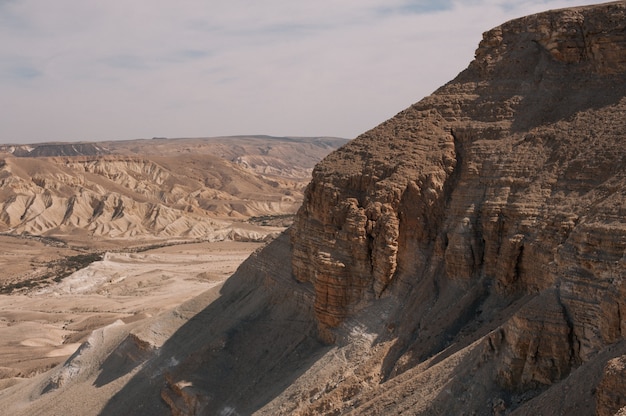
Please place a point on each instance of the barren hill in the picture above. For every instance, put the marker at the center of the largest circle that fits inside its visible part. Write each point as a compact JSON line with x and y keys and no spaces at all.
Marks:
{"x":153,"y":188}
{"x":464,"y":257}
{"x":80,"y":199}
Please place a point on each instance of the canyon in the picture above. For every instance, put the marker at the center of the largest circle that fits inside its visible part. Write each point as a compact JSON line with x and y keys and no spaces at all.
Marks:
{"x":466,"y":256}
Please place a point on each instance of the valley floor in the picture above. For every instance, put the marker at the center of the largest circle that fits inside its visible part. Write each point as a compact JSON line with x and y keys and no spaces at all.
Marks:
{"x":41,"y":327}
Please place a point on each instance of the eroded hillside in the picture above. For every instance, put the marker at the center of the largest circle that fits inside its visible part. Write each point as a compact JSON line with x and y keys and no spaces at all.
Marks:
{"x":491,"y":212}
{"x":154,"y":188}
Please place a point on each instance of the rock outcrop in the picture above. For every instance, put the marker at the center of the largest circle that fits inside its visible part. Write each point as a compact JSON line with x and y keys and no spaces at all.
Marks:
{"x":505,"y":187}
{"x":611,"y":394}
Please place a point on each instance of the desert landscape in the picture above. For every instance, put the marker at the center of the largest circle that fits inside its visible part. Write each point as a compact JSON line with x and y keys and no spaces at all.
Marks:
{"x":113,"y":234}
{"x":42,"y":327}
{"x":465,"y":257}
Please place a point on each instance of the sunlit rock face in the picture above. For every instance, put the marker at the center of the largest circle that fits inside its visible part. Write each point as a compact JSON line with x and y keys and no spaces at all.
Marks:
{"x":506,"y":185}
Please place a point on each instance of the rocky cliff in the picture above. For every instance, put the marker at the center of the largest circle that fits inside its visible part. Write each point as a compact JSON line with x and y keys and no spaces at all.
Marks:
{"x":466,"y":256}
{"x":494,"y":206}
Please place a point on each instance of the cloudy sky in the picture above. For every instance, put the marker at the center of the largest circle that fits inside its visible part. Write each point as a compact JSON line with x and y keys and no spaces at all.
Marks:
{"x":105,"y":70}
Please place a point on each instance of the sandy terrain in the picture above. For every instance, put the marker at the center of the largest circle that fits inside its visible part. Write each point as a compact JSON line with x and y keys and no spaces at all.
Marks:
{"x":42,"y":327}
{"x":99,"y":256}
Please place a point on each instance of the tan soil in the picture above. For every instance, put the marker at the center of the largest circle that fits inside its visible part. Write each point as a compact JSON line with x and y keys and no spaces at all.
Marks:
{"x":42,"y":327}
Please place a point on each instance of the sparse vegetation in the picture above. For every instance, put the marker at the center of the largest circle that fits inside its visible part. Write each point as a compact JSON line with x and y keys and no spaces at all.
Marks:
{"x":282,"y":220}
{"x":57,"y":271}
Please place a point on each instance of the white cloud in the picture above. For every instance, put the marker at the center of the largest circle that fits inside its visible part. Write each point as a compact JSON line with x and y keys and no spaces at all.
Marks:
{"x":92,"y":70}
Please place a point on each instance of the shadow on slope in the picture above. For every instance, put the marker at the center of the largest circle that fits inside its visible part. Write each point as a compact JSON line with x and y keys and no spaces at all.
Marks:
{"x":236,"y":354}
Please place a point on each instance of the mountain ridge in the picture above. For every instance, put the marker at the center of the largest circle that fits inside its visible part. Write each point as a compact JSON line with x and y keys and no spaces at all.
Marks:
{"x":165,"y":188}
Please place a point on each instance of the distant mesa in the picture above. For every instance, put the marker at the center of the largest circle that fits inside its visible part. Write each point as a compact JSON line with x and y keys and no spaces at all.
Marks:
{"x":55,"y":149}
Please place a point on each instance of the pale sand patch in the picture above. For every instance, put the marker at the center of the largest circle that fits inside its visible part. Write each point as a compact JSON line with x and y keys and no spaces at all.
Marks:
{"x":64,"y":351}
{"x":38,"y":342}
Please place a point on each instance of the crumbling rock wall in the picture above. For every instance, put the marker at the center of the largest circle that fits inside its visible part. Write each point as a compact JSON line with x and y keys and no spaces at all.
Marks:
{"x":348,"y":233}
{"x":506,"y":185}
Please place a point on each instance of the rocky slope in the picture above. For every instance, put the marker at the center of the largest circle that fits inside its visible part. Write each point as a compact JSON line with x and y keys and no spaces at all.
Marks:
{"x":156,"y":188}
{"x":464,"y":257}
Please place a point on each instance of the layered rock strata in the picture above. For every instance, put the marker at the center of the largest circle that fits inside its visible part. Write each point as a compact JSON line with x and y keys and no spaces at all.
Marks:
{"x":504,"y":186}
{"x":158,"y":188}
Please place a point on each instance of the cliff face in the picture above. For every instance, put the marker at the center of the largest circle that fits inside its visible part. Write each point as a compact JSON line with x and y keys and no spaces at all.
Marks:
{"x":500,"y":198}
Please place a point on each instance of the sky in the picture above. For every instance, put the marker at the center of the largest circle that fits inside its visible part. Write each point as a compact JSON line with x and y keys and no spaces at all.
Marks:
{"x":91,"y":70}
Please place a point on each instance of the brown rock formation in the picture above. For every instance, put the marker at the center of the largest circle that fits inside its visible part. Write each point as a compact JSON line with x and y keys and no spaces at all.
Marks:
{"x":466,"y":256}
{"x":611,"y":394}
{"x":503,"y":186}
